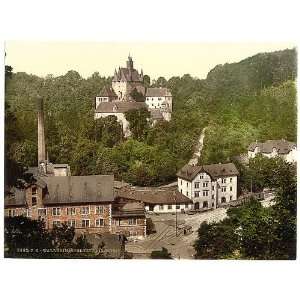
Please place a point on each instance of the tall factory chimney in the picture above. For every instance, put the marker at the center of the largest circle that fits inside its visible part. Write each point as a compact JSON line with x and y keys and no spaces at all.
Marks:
{"x":41,"y":131}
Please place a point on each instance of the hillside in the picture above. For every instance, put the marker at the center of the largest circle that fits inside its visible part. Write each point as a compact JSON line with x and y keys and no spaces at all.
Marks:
{"x":240,"y":102}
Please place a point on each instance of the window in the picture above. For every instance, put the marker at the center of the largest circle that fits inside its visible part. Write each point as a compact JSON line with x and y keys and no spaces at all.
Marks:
{"x":181,"y":191}
{"x":180,"y":182}
{"x":56,"y":211}
{"x":212,"y":196}
{"x":85,"y":223}
{"x":85,"y":210}
{"x":205,"y":204}
{"x":161,"y":207}
{"x":177,"y":206}
{"x":115,"y":222}
{"x":33,"y":190}
{"x":213,"y":204}
{"x":99,"y":222}
{"x":11,"y":212}
{"x":187,"y":193}
{"x":205,"y":184}
{"x":42,"y":212}
{"x":213,"y":187}
{"x":187,"y":184}
{"x":71,"y":223}
{"x":99,"y":209}
{"x":223,"y":180}
{"x":169,"y":206}
{"x":71,"y":211}
{"x":223,"y":200}
{"x":33,"y":201}
{"x":205,"y":193}
{"x":56,"y":223}
{"x":186,"y":206}
{"x":231,"y":189}
{"x":230,"y":179}
{"x":201,"y":176}
{"x":223,"y":189}
{"x":196,"y":194}
{"x":132,"y":221}
{"x":230,"y":198}
{"x":197,"y":185}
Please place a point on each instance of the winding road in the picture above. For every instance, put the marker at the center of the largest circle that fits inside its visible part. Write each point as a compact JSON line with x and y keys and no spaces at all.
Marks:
{"x":194,"y":160}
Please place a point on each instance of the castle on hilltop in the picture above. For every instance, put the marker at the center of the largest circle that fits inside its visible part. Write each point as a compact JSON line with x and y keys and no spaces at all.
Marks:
{"x":128,"y":92}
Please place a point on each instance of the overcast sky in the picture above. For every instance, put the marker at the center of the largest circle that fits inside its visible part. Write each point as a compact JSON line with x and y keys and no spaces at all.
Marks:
{"x":156,"y":59}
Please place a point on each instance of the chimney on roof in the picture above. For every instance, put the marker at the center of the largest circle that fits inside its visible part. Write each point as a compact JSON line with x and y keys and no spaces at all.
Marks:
{"x":41,"y":131}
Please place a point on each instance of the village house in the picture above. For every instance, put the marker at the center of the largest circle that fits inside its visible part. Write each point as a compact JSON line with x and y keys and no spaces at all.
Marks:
{"x":157,"y":200}
{"x":128,"y":92}
{"x":208,"y":186}
{"x":273,"y":148}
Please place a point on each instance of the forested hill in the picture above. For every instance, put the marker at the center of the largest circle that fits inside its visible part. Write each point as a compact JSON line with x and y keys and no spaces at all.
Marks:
{"x":254,"y":99}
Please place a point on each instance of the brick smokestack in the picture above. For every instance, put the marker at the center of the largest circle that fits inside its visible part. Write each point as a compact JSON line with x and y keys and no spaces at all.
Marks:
{"x":41,"y":131}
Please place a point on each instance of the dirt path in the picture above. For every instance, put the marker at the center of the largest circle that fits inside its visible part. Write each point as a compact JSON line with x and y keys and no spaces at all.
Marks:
{"x":197,"y":153}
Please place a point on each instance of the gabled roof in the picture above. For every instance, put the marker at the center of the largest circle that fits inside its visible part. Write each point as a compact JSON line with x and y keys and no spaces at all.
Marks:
{"x":129,"y":209}
{"x":153,"y":195}
{"x":158,"y":92}
{"x":107,"y":92}
{"x":16,"y":197}
{"x":125,"y":74}
{"x":282,"y":146}
{"x":79,"y":189}
{"x":189,"y":172}
{"x":119,"y":106}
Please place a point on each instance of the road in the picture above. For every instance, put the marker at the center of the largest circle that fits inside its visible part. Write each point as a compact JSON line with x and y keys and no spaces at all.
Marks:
{"x":199,"y":147}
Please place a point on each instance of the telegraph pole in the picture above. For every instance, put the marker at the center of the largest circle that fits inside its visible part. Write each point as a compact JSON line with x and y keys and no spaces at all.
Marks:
{"x":175,"y":215}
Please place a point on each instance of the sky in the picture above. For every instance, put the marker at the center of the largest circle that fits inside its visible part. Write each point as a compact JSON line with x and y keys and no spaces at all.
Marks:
{"x":156,"y":59}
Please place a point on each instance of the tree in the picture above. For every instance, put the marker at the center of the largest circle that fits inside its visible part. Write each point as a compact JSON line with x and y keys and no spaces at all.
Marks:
{"x":138,"y":122}
{"x":146,"y":80}
{"x":137,"y":96}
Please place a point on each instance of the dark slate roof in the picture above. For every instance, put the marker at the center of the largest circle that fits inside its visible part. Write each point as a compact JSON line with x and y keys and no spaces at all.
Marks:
{"x":125,"y":74}
{"x":158,"y":92}
{"x":16,"y":197}
{"x":156,"y":114}
{"x":128,"y":209}
{"x":189,"y":172}
{"x":108,"y":92}
{"x":153,"y":195}
{"x":79,"y":189}
{"x":282,"y":146}
{"x":119,"y":106}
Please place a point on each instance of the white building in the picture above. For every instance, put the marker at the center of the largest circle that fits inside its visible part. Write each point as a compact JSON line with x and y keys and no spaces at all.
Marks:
{"x":272,"y":148}
{"x":157,"y":200}
{"x":160,"y":99}
{"x":209,"y":185}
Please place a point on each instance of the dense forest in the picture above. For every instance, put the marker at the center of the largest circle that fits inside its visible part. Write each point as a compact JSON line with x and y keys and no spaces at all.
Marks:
{"x":254,"y":99}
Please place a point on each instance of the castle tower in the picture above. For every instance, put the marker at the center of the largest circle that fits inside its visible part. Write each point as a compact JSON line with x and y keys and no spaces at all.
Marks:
{"x":129,"y":63}
{"x":41,"y":131}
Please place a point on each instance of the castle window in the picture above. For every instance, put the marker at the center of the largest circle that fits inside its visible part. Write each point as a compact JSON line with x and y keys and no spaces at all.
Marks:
{"x":85,"y":210}
{"x":42,"y":212}
{"x":71,"y":211}
{"x":99,"y":209}
{"x":33,"y":201}
{"x":56,"y":223}
{"x":99,"y":222}
{"x":71,"y":223}
{"x":85,"y":223}
{"x":56,"y":211}
{"x":33,"y":190}
{"x":132,"y":221}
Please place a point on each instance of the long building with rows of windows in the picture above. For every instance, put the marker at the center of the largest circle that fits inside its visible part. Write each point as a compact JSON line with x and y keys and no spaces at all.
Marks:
{"x":208,"y":186}
{"x":86,"y":203}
